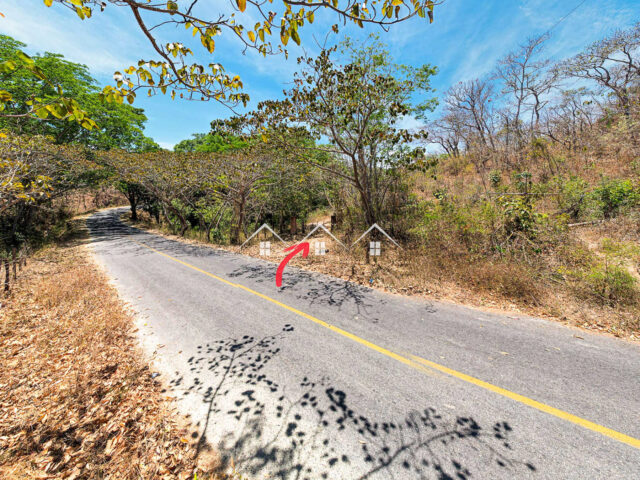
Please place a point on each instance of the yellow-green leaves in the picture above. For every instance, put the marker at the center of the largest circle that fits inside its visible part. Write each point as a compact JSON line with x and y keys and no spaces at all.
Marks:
{"x":59,"y":107}
{"x":208,"y":43}
{"x":25,"y":58}
{"x":48,"y":3}
{"x":289,"y":16}
{"x":284,"y":36}
{"x":294,"y":36}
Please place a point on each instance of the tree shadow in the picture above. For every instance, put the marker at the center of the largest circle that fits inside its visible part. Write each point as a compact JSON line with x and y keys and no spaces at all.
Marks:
{"x":316,"y":289}
{"x":313,"y":289}
{"x":310,"y":429}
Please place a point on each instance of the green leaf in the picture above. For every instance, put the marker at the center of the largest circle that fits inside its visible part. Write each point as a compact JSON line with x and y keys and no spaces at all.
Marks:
{"x":24,"y":57}
{"x":295,"y":36}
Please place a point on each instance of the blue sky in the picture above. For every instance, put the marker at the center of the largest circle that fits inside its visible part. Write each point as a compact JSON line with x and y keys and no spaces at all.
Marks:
{"x":465,"y":40}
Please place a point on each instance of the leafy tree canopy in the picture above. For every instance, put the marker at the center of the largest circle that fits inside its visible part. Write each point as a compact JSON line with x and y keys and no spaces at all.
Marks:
{"x":358,"y":106}
{"x":209,"y":142}
{"x":116,"y":125}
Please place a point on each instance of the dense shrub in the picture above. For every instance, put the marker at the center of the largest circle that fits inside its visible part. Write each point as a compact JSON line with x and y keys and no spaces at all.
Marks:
{"x":573,"y":197}
{"x":611,"y":284}
{"x":612,"y":195}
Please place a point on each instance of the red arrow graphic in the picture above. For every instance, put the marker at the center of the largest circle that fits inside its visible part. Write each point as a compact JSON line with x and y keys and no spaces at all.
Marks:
{"x":300,"y":247}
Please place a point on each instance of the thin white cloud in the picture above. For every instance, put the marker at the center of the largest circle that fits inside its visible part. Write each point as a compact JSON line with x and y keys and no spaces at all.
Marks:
{"x":97,"y":42}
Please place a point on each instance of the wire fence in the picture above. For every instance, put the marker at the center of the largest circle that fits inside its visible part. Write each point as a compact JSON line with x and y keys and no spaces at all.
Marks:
{"x":10,"y":265}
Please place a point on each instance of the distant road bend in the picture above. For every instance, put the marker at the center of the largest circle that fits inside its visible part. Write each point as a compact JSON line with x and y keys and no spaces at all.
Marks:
{"x":326,"y":379}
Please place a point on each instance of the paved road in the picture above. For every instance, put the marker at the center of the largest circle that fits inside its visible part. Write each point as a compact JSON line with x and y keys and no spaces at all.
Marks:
{"x":327,"y":379}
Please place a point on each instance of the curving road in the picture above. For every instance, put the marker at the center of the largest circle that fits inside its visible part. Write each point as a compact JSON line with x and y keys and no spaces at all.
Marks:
{"x":325,"y":379}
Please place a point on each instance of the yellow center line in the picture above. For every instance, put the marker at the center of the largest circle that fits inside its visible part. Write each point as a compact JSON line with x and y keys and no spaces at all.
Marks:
{"x":424,"y":365}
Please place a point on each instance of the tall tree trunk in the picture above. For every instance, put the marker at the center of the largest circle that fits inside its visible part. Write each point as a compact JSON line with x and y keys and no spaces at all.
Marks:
{"x":14,"y":256}
{"x":7,"y":276}
{"x":239,"y":206}
{"x":133,"y":202}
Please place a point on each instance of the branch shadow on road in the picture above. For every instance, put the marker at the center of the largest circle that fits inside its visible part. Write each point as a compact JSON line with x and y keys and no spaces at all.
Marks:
{"x":311,"y":288}
{"x":316,"y":290}
{"x":313,"y":430}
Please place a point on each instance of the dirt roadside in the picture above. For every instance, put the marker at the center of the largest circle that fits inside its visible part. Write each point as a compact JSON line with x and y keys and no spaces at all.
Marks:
{"x":77,"y":398}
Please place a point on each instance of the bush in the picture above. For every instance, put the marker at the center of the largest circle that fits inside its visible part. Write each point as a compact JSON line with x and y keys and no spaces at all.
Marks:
{"x":573,"y":198}
{"x":611,"y":284}
{"x":519,"y":215}
{"x":613,"y":195}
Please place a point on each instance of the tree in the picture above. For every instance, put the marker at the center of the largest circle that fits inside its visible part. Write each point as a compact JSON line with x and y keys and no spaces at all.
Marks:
{"x":357,"y":107}
{"x":172,"y":72}
{"x":525,"y":79}
{"x":34,"y":171}
{"x":570,"y":117}
{"x":113,"y":125}
{"x":470,"y":104}
{"x":613,"y":63}
{"x":208,"y":142}
{"x":28,"y":94}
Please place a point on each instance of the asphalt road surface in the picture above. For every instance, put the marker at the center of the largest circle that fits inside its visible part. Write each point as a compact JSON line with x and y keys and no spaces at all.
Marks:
{"x":327,"y":379}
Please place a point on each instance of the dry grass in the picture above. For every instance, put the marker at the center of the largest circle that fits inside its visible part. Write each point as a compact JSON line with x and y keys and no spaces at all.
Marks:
{"x":446,"y":272}
{"x":76,"y":398}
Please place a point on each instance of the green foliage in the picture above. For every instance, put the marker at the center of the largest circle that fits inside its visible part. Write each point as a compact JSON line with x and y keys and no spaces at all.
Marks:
{"x":33,"y":93}
{"x":33,"y":171}
{"x":452,"y":223}
{"x":620,"y":250}
{"x":519,"y":215}
{"x":112,"y":125}
{"x":611,"y":284}
{"x":613,"y":195}
{"x":358,"y":106}
{"x":574,"y":198}
{"x":211,"y":143}
{"x":495,"y":178}
{"x":523,"y":181}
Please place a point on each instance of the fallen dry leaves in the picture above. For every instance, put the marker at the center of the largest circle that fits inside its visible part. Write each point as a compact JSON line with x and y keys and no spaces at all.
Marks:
{"x":76,"y":398}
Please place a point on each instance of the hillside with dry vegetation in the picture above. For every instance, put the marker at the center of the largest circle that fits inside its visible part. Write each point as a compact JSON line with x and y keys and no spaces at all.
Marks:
{"x":521,"y":192}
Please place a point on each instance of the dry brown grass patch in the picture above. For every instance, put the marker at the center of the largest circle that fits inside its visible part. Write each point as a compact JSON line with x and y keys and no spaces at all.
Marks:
{"x":76,"y":400}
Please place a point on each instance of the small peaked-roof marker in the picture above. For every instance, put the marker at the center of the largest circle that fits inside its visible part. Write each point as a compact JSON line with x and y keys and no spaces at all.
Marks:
{"x":319,"y":225}
{"x":376,"y":226}
{"x":263,"y":226}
